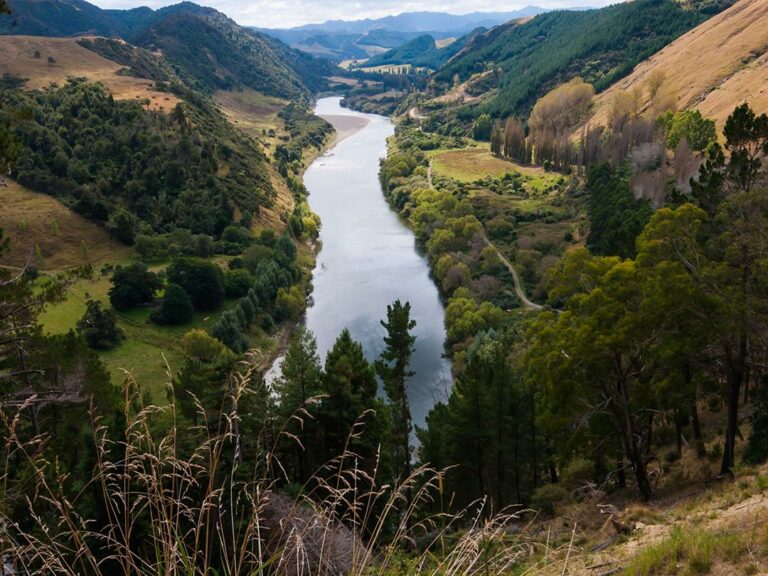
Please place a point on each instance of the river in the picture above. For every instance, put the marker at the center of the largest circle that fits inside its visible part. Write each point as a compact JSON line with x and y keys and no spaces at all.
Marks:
{"x":369,"y":257}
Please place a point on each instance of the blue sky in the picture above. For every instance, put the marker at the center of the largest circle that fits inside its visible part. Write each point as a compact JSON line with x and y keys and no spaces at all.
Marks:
{"x":287,"y":13}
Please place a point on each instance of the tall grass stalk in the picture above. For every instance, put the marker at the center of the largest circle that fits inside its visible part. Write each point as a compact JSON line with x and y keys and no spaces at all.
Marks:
{"x":164,"y":513}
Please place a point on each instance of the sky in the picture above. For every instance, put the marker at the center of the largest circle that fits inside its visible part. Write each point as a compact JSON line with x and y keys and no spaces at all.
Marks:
{"x":288,"y":13}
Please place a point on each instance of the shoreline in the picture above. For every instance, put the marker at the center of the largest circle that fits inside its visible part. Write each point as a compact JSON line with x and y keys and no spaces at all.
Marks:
{"x":345,"y":126}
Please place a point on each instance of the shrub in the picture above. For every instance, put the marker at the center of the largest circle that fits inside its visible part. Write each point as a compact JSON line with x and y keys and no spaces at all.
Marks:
{"x":237,"y":283}
{"x":132,"y":286}
{"x":577,"y":473}
{"x":198,"y":344}
{"x":546,"y":498}
{"x":237,"y":235}
{"x":289,"y":303}
{"x":99,"y":327}
{"x":176,"y":307}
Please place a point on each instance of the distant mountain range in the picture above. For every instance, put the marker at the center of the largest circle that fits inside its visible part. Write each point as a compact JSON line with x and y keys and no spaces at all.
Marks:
{"x":358,"y":39}
{"x":423,"y":22}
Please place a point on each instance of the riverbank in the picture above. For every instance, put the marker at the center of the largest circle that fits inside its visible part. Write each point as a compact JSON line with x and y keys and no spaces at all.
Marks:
{"x":345,"y":126}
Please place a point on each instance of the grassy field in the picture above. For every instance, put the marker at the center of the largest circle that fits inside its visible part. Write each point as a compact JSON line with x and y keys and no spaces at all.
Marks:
{"x":253,"y":112}
{"x":147,"y":347}
{"x":18,"y":57}
{"x":56,"y":236}
{"x":477,"y":162}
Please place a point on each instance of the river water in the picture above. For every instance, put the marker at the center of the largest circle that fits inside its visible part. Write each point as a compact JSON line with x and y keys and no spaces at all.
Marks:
{"x":369,"y":258}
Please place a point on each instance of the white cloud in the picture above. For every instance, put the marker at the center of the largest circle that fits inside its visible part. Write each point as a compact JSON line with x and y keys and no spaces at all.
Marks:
{"x":287,"y":13}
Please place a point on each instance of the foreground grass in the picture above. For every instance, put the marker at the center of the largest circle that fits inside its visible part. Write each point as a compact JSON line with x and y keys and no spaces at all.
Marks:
{"x":693,"y":551}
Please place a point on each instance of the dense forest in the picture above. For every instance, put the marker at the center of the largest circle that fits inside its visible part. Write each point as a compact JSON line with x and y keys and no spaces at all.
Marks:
{"x":132,"y":169}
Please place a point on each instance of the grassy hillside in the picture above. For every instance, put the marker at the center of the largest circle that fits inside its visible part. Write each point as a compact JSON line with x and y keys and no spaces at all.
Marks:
{"x":714,"y":67}
{"x":55,"y":236}
{"x":519,"y":63}
{"x":42,"y":61}
{"x":207,"y":49}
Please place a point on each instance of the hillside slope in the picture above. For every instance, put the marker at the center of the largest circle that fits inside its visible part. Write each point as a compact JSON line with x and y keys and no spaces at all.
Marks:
{"x":57,"y":18}
{"x":424,"y":52}
{"x":29,"y":57}
{"x":517,"y":64}
{"x":208,"y":50}
{"x":714,"y":67}
{"x":218,"y":55}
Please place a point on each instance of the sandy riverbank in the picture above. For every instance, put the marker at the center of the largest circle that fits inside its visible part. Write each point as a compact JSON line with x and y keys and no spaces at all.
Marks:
{"x":345,"y":126}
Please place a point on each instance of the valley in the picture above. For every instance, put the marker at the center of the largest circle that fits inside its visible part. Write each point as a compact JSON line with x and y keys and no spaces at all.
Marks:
{"x":421,"y":293}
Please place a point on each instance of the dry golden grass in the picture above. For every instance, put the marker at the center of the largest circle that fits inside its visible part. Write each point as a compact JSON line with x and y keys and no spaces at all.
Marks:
{"x":443,"y":42}
{"x":459,"y":93}
{"x":256,"y":114}
{"x":252,"y":112}
{"x":17,"y":56}
{"x":714,"y":67}
{"x":470,"y":164}
{"x":29,"y":220}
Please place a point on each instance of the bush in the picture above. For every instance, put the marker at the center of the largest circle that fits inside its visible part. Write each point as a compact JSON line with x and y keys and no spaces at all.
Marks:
{"x":237,"y":283}
{"x":176,"y":307}
{"x":289,"y":303}
{"x":577,"y":473}
{"x":133,"y":286}
{"x":237,"y":235}
{"x":546,"y":498}
{"x":198,"y":344}
{"x":203,"y":281}
{"x":99,"y":327}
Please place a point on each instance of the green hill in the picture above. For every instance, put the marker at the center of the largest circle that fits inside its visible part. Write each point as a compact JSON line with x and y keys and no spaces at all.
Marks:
{"x":217,"y":54}
{"x":57,"y":18}
{"x":521,"y":62}
{"x":207,"y":49}
{"x":132,"y":169}
{"x":423,"y":52}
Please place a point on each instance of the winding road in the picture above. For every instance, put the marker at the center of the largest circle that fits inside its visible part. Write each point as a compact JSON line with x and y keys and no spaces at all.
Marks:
{"x":519,"y":291}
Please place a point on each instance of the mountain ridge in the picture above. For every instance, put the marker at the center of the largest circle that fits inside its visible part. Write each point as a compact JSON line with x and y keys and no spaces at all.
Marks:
{"x":206,"y":47}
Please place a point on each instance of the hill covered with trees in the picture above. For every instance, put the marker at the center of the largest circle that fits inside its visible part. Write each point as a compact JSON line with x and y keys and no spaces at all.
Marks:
{"x":207,"y":49}
{"x":515,"y":64}
{"x":422,"y":52}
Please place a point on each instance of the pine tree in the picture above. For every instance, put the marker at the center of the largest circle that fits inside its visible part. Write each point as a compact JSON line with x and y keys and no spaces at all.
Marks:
{"x":350,"y":386}
{"x":392,"y":367}
{"x":299,"y":382}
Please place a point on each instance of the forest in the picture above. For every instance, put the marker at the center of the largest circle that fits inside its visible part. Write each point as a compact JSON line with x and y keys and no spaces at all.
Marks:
{"x":136,"y":171}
